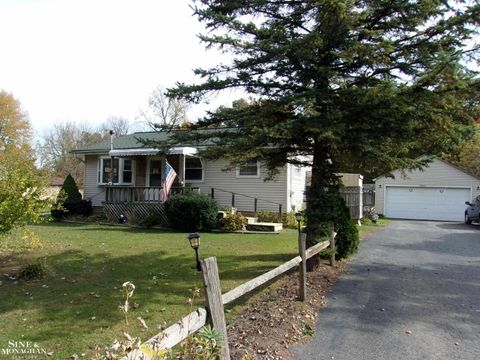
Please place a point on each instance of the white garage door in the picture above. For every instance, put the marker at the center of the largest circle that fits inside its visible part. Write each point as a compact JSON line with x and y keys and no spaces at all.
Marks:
{"x":426,"y":203}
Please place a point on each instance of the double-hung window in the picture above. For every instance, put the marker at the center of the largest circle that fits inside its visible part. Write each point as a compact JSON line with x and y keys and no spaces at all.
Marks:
{"x":249,"y":169}
{"x":122,"y":172}
{"x":193,"y":169}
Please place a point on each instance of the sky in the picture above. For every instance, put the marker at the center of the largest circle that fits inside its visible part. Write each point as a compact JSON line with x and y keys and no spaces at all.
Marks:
{"x":85,"y":61}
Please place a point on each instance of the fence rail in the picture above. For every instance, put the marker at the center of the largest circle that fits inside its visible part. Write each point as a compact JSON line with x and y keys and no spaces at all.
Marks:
{"x":216,"y":301}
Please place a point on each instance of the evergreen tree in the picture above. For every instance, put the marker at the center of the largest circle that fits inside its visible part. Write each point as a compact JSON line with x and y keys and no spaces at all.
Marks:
{"x":336,"y":82}
{"x":70,"y":189}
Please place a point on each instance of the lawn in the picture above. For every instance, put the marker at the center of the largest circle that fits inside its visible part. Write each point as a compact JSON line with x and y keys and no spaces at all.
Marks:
{"x":76,"y":305}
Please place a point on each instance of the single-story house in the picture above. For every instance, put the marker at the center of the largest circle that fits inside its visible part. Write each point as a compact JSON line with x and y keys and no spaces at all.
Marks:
{"x":138,"y":169}
{"x":53,"y":188}
{"x":438,"y":192}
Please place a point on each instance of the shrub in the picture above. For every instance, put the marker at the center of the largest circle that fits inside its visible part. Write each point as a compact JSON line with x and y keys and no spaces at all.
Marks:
{"x":366,"y":220}
{"x":332,"y":208}
{"x":78,"y":207}
{"x":233,"y":221}
{"x":32,"y":271}
{"x":71,"y":189}
{"x":191,"y":212}
{"x":152,"y":219}
{"x":289,"y":220}
{"x":69,"y":201}
{"x":268,"y":216}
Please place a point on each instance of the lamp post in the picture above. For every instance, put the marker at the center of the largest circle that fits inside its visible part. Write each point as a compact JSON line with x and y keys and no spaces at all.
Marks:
{"x":298,"y":217}
{"x":194,"y":239}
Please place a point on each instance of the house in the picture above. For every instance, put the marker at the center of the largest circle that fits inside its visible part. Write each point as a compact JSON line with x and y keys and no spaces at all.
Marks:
{"x":137,"y":176}
{"x":53,"y":188}
{"x":437,"y":192}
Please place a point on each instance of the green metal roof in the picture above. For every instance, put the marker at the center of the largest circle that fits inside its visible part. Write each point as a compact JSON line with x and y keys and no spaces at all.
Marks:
{"x":130,"y":141}
{"x":133,"y":141}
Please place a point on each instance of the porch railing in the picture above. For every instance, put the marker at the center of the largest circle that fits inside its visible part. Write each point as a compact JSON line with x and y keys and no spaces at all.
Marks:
{"x":140,"y":194}
{"x":255,"y":200}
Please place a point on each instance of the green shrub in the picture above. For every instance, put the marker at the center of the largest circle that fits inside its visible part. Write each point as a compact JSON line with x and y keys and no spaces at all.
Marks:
{"x":191,"y":212}
{"x":69,"y":201}
{"x":71,"y":189}
{"x":233,"y":221}
{"x":332,"y":209}
{"x":366,"y":220}
{"x":152,"y":219}
{"x":78,"y":207}
{"x":268,"y":216}
{"x":289,"y":220}
{"x":32,"y":271}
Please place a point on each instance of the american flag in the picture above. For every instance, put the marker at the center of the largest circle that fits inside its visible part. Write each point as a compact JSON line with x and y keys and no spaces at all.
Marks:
{"x":168,"y":179}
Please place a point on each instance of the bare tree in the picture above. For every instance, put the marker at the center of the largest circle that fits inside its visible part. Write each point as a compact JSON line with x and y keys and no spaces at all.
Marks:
{"x":164,"y":112}
{"x":119,"y":125}
{"x":55,"y":146}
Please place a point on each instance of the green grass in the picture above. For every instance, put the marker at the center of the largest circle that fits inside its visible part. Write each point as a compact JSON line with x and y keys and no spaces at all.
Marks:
{"x":57,"y":311}
{"x":366,"y":230}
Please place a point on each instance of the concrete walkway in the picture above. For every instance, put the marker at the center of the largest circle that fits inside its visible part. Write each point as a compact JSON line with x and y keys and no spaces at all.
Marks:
{"x":412,"y":292}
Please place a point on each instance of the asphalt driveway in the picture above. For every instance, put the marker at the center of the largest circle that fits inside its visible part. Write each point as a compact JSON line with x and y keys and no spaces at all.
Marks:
{"x":411,"y":292}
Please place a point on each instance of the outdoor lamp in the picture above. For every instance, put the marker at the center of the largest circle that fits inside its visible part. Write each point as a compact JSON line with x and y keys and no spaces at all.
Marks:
{"x":194,"y":239}
{"x":298,"y":217}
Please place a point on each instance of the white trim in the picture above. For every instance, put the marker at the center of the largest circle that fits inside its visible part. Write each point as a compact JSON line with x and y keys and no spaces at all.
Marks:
{"x":237,"y":173}
{"x":180,"y":150}
{"x":147,"y":170}
{"x":289,"y":188}
{"x":120,"y":170}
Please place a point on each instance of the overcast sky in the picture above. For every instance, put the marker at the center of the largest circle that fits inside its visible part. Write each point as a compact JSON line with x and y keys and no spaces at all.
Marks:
{"x":87,"y":60}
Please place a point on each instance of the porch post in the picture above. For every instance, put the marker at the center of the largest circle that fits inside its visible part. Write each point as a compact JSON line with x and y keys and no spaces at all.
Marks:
{"x":181,"y":169}
{"x":163,"y":167}
{"x":112,"y":133}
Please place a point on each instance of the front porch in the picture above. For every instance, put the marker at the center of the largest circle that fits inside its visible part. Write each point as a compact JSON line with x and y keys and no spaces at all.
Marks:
{"x":141,"y":194}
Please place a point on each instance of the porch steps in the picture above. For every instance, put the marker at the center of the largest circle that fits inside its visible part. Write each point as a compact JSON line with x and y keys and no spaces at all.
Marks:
{"x":254,"y":225}
{"x":267,"y":227}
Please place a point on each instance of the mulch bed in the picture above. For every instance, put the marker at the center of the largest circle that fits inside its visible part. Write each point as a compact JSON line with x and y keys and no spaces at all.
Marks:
{"x":266,"y":328}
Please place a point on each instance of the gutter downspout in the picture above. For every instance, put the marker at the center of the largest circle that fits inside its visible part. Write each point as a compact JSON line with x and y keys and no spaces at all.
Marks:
{"x":112,"y":135}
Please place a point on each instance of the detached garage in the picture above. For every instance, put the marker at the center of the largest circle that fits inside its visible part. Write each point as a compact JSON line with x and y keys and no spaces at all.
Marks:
{"x":438,"y":192}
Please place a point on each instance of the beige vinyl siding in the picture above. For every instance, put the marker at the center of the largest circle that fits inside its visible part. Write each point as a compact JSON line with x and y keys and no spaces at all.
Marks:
{"x":297,"y":187}
{"x":438,"y":174}
{"x":91,"y":190}
{"x":275,"y":191}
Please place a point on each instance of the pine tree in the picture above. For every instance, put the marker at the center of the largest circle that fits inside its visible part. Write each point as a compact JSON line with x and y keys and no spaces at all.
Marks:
{"x":70,"y":189}
{"x":336,"y":83}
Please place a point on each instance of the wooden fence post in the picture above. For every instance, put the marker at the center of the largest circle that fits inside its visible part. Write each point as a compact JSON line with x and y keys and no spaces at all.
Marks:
{"x":333,"y":234}
{"x":213,"y":294}
{"x":302,"y":241}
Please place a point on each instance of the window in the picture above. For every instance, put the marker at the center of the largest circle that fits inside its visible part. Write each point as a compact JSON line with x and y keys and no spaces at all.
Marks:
{"x":193,"y":169}
{"x":249,"y":169}
{"x":127,"y":171}
{"x":297,"y":171}
{"x":122,"y":171}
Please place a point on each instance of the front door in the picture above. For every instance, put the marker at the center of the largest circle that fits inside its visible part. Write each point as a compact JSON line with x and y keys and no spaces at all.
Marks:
{"x":155,"y":175}
{"x":153,"y":192}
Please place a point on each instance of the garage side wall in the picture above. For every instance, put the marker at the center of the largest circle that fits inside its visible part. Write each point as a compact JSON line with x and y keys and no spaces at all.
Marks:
{"x":438,"y":174}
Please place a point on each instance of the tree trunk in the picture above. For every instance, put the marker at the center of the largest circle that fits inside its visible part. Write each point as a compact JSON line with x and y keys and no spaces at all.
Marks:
{"x":322,"y":178}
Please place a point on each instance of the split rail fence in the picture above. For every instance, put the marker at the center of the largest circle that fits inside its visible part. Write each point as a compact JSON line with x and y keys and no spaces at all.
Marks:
{"x":213,"y":312}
